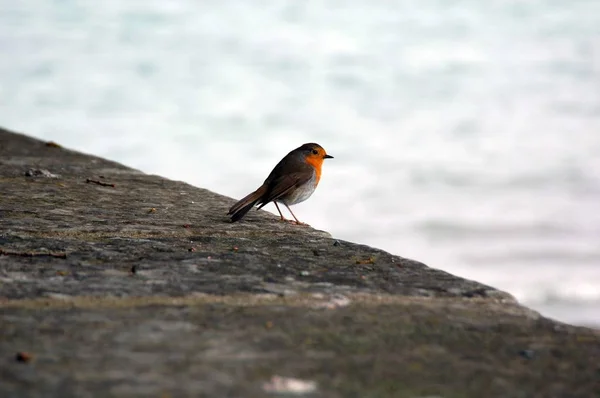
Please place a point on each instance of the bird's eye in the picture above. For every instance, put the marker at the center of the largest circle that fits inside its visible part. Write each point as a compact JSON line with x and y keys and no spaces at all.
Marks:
{"x":315,"y":152}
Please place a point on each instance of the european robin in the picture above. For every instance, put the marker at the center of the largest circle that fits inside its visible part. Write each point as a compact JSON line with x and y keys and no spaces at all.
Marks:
{"x":292,"y":181}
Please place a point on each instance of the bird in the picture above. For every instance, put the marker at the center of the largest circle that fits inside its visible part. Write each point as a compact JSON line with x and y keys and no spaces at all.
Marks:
{"x":292,"y":181}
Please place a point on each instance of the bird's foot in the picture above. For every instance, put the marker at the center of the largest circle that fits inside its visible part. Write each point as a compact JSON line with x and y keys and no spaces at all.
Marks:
{"x":299,"y":223}
{"x":282,"y":219}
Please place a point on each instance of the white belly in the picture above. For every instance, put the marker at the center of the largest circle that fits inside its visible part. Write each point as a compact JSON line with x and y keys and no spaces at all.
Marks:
{"x":301,"y":193}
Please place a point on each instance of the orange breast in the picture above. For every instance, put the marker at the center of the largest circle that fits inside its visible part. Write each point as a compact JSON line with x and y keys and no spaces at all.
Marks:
{"x":316,"y":162}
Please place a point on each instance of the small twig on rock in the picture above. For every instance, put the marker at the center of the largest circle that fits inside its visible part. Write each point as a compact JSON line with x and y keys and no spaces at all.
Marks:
{"x":23,"y":357}
{"x":104,"y":184}
{"x":31,"y":254}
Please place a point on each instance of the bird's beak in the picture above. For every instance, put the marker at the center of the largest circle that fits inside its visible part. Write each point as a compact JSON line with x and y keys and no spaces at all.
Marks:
{"x":328,"y":157}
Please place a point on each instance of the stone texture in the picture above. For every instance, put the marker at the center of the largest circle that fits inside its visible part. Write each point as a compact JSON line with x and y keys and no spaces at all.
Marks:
{"x":118,"y":283}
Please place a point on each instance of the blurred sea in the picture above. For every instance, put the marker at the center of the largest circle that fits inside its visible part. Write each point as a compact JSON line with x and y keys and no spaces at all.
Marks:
{"x":466,"y":134}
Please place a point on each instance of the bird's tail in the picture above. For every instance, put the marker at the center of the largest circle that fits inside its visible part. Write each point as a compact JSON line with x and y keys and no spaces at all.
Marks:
{"x":244,"y":205}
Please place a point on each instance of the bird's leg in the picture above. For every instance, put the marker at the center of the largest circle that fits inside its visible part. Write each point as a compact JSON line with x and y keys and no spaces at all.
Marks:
{"x":280,"y":213}
{"x":292,"y":213}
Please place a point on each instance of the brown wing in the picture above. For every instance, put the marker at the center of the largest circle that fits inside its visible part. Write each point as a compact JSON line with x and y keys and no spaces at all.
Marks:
{"x":283,"y":185}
